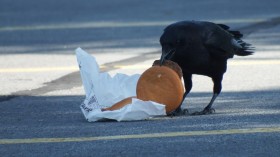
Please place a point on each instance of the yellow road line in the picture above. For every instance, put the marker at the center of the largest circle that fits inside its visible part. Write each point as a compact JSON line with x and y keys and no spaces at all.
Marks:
{"x":141,"y":136}
{"x":38,"y":69}
{"x":142,"y":66}
{"x":231,"y":63}
{"x":254,"y":62}
{"x":114,"y":24}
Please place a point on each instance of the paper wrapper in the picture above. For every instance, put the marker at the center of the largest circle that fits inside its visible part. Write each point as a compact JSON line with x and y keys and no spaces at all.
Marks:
{"x":103,"y":90}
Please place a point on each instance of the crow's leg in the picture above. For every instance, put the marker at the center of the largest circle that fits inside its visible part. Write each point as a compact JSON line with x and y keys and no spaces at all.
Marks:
{"x":217,"y":89}
{"x":208,"y":109}
{"x":188,"y":86}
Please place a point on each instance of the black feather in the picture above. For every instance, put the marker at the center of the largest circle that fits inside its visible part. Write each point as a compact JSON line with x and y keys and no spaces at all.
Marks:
{"x":206,"y":48}
{"x":225,"y":27}
{"x":236,"y":34}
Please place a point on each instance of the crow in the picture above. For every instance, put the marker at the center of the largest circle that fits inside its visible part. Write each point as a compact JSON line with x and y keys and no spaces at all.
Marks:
{"x":203,"y":48}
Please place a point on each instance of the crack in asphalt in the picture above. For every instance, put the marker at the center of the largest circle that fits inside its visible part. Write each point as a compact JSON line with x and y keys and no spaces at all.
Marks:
{"x":62,"y":83}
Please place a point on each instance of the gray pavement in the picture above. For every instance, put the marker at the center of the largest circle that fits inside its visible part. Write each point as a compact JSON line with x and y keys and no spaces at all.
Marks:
{"x":41,"y":88}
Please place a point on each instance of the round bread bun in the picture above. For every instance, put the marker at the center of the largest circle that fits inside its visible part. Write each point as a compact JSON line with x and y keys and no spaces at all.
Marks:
{"x":161,"y":84}
{"x":119,"y":104}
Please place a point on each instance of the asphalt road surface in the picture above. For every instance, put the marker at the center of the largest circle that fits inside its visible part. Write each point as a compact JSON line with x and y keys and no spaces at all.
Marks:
{"x":41,"y":89}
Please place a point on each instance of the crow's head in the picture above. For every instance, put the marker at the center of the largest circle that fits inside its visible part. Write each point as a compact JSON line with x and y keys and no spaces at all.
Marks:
{"x":176,"y":39}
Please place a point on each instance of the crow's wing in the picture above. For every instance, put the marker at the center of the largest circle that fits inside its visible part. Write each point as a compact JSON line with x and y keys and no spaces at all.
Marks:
{"x":220,"y":42}
{"x":223,"y":42}
{"x":236,"y":34}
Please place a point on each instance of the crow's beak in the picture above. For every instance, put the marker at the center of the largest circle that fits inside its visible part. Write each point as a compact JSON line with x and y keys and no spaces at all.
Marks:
{"x":166,"y":56}
{"x":162,"y":59}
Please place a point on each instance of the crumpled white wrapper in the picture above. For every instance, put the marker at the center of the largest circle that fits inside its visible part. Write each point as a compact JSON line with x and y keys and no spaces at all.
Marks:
{"x":103,"y":90}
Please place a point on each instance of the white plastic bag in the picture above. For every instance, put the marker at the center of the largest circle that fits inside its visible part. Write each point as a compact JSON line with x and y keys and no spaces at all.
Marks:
{"x":103,"y":91}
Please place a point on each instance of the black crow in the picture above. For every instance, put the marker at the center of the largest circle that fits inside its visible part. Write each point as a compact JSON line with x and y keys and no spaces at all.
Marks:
{"x":202,"y":48}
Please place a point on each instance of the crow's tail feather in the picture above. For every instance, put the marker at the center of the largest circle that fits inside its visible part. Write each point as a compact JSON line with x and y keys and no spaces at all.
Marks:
{"x":245,"y":50}
{"x":236,"y":34}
